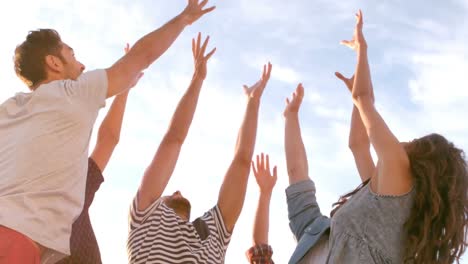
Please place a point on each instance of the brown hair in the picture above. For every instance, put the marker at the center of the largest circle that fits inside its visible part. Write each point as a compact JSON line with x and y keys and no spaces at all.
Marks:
{"x":437,"y":225}
{"x":30,"y":55}
{"x":343,"y":199}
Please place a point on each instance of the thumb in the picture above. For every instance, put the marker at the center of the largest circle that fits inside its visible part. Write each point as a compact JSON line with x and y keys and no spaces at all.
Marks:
{"x":340,"y":76}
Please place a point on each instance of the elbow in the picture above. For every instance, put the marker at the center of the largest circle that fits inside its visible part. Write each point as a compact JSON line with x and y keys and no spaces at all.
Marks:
{"x":361,"y":98}
{"x":243,"y":157}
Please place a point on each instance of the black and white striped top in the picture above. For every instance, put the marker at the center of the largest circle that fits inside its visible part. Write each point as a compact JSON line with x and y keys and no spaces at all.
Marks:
{"x":158,"y":235}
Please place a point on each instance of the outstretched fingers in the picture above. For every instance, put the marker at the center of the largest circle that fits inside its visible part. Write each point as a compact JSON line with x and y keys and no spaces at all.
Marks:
{"x":208,"y":56}
{"x":206,"y":10}
{"x":266,"y":72}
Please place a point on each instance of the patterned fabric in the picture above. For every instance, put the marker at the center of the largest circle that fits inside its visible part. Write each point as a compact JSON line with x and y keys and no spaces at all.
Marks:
{"x":83,"y":244}
{"x":159,"y":235}
{"x":369,"y":228}
{"x":260,"y":254}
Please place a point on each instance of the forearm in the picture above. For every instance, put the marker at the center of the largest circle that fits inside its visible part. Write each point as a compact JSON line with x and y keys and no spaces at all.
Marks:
{"x":112,"y":124}
{"x":150,"y":47}
{"x":109,"y":132}
{"x":357,"y":134}
{"x":262,"y":219}
{"x":145,"y":51}
{"x":183,"y":115}
{"x":296,"y":157}
{"x":362,"y":82}
{"x":232,"y":192}
{"x":247,"y":134}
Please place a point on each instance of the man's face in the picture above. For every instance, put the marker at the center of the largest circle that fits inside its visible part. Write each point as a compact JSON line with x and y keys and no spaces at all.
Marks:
{"x":179,"y":204}
{"x":72,"y":68}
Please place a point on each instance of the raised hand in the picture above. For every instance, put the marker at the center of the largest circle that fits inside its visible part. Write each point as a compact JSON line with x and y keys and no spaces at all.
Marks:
{"x":293,"y":105}
{"x":265,"y":180}
{"x":137,"y":79}
{"x":199,"y":56}
{"x":194,"y":11}
{"x":358,"y":41}
{"x":347,"y":81}
{"x":255,"y":91}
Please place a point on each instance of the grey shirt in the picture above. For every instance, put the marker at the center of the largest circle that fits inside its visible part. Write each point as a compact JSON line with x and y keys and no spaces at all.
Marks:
{"x":369,"y":228}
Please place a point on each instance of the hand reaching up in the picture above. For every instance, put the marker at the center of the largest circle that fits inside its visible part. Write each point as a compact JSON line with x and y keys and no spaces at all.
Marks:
{"x":199,"y":56}
{"x":265,"y":180}
{"x":358,"y":41}
{"x":347,"y":81}
{"x":255,"y":91}
{"x":194,"y":10}
{"x":293,"y":105}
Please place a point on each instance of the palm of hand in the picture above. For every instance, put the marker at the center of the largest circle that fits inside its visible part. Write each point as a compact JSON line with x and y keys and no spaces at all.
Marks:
{"x":358,"y":37}
{"x":194,"y":10}
{"x":293,"y":105}
{"x":265,"y":180}
{"x":256,"y":90}
{"x":200,"y":59}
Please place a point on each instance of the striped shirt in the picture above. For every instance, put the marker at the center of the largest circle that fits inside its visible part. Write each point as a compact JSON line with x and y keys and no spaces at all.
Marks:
{"x":158,"y":235}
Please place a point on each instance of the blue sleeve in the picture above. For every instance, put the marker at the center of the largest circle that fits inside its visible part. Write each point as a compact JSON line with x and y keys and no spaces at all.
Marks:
{"x":303,"y":208}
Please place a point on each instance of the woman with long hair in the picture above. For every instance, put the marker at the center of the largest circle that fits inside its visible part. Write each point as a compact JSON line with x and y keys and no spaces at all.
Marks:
{"x":412,"y":207}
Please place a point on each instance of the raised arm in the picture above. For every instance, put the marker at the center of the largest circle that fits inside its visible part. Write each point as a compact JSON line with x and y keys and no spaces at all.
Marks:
{"x":109,"y":131}
{"x":358,"y":139}
{"x":158,"y":173}
{"x":261,"y":251}
{"x":266,"y":181}
{"x":151,"y":47}
{"x":296,"y":157}
{"x":232,"y":193}
{"x":393,"y":177}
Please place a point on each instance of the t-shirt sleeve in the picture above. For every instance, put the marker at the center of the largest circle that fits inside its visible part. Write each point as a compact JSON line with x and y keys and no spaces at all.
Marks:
{"x":223,"y":234}
{"x":137,"y":217}
{"x":90,"y":89}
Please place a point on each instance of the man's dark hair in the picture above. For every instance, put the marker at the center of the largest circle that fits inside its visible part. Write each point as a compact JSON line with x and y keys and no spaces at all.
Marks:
{"x":30,"y":55}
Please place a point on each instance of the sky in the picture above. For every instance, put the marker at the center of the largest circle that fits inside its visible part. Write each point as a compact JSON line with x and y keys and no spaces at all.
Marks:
{"x":418,"y":57}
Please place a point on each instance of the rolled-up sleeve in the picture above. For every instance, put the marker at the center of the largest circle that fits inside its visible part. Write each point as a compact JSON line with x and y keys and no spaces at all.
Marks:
{"x":303,"y":208}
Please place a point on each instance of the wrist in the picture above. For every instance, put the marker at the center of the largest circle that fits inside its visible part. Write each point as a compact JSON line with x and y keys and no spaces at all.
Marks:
{"x":293,"y":115}
{"x":197,"y":77}
{"x":182,"y":19}
{"x":253,"y":100}
{"x":265,"y":195}
{"x":362,"y":48}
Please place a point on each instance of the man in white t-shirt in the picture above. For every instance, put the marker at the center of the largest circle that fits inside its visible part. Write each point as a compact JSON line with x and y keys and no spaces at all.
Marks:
{"x":44,"y":136}
{"x":159,"y":228}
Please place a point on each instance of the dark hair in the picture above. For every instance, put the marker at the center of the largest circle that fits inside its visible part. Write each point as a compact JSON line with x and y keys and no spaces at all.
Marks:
{"x":437,"y":225}
{"x":30,"y":55}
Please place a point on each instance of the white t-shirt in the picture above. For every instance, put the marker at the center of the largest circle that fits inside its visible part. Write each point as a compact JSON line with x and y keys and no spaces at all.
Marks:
{"x":44,"y":139}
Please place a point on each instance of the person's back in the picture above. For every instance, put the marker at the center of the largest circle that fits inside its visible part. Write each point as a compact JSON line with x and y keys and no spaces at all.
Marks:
{"x":370,"y":226}
{"x":44,"y":138}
